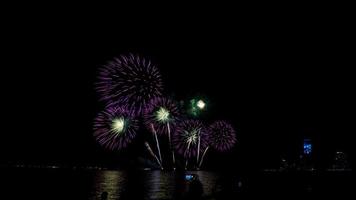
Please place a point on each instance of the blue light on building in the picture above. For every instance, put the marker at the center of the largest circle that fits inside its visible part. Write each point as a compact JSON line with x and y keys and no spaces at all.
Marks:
{"x":307,"y":147}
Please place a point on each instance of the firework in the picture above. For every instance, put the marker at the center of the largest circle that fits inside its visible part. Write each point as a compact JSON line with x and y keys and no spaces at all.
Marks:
{"x":222,"y":136}
{"x":148,"y":147}
{"x":160,"y":115}
{"x":197,"y":107}
{"x":115,"y":128}
{"x":202,"y":158}
{"x":189,"y":138}
{"x":160,"y":112}
{"x":129,"y":80}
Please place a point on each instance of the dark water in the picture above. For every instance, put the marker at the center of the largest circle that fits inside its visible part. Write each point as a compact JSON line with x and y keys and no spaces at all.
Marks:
{"x":86,"y":184}
{"x":147,"y":184}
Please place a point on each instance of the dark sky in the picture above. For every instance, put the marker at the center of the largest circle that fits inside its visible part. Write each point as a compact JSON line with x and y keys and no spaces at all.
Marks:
{"x":277,"y":79}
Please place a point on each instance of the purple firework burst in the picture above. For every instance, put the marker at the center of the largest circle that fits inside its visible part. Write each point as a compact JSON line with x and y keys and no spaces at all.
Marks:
{"x":222,"y":136}
{"x":189,"y":135}
{"x":131,"y":81}
{"x":162,"y":113}
{"x":115,"y":128}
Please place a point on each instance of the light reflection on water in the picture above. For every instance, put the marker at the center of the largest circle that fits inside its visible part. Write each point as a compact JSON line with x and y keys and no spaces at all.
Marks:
{"x":209,"y":180}
{"x":112,"y":182}
{"x":146,"y":184}
{"x":87,"y":184}
{"x":159,"y":185}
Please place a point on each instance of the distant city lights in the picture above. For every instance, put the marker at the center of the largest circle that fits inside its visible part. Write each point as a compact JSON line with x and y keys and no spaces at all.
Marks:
{"x":307,"y":147}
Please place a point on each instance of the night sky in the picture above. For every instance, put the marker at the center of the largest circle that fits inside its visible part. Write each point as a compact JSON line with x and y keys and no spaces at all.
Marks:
{"x":277,"y":80}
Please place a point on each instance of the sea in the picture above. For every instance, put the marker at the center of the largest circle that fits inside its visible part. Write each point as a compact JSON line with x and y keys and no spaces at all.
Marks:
{"x":22,"y":183}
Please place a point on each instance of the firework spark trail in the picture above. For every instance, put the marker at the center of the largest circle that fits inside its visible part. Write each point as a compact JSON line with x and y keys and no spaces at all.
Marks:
{"x":198,"y":149}
{"x":170,"y":146}
{"x":187,"y":149}
{"x":186,"y":139}
{"x":162,"y":113}
{"x":202,"y":158}
{"x":185,"y":155}
{"x":152,"y":154}
{"x":157,"y":142}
